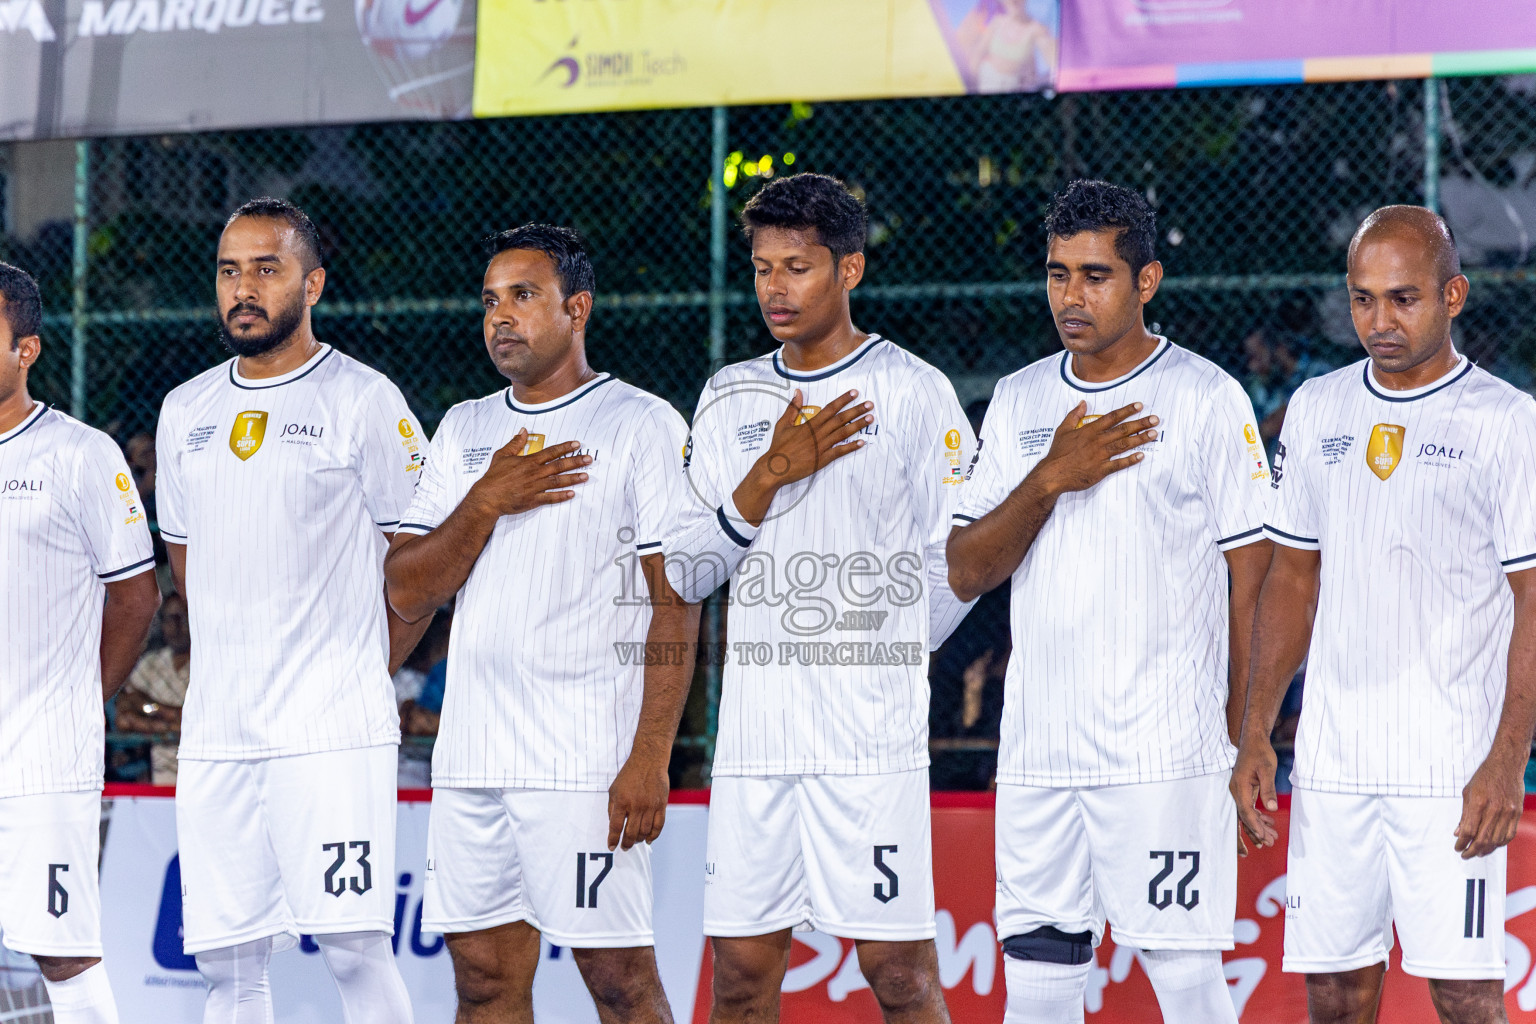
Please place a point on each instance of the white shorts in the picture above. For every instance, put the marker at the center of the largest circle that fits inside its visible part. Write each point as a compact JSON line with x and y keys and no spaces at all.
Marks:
{"x":1158,"y":860}
{"x":500,"y":855}
{"x":1358,"y":864}
{"x":50,"y":895}
{"x":850,"y":855}
{"x":288,"y":845}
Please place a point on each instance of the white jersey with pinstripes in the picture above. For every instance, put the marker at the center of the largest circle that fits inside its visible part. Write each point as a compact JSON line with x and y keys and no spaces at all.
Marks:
{"x":282,"y":490}
{"x":829,"y":620}
{"x":1420,"y":502}
{"x":70,"y":522}
{"x":547,"y":659}
{"x":1119,"y":610}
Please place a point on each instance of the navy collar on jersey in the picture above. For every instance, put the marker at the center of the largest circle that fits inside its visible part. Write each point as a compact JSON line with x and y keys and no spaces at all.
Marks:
{"x":286,"y":378}
{"x":1084,"y":386}
{"x":1417,"y":393}
{"x":826,"y":371}
{"x":38,"y":410}
{"x":561,"y":402}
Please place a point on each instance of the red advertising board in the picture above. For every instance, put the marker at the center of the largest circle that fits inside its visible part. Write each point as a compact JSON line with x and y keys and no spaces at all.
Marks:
{"x":824,"y":984}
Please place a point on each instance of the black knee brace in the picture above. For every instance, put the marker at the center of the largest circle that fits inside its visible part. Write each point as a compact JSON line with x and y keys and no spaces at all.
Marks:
{"x":1051,"y":945}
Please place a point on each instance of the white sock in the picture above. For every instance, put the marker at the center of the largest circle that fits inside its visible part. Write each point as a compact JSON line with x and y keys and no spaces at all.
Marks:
{"x":1190,"y":986}
{"x":1043,"y":993}
{"x":372,"y":991}
{"x":239,"y":991}
{"x":84,"y":999}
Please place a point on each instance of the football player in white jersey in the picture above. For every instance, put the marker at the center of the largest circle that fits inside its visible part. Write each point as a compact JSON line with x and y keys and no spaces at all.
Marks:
{"x":544,"y":509}
{"x":281,"y":474}
{"x":1405,"y":572}
{"x":1121,"y":484}
{"x":829,"y":519}
{"x":77,"y":593}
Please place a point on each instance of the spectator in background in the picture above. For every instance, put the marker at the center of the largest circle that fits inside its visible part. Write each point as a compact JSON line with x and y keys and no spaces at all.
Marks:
{"x":140,"y":452}
{"x":150,"y":702}
{"x":1280,"y":355}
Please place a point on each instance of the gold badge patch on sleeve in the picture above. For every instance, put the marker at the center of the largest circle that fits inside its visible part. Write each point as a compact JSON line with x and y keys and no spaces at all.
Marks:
{"x":1385,"y":450}
{"x":246,"y":435}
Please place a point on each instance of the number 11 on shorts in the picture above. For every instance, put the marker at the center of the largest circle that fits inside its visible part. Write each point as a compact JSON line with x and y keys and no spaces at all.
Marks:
{"x":1477,"y":899}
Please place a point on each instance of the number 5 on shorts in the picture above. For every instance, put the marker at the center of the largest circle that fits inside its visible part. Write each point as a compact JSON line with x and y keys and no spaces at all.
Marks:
{"x":882,"y":893}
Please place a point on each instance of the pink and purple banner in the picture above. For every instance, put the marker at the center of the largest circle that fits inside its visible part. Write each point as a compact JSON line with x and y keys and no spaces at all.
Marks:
{"x":1158,"y":44}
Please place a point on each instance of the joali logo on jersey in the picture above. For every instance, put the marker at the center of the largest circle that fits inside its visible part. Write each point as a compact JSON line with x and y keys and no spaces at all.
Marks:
{"x":1385,"y":449}
{"x":1441,"y":454}
{"x":294,"y":431}
{"x":246,"y":435}
{"x":21,"y":488}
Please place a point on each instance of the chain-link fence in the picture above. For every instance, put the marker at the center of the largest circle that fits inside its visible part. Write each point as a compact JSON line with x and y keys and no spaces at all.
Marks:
{"x":1257,"y":189}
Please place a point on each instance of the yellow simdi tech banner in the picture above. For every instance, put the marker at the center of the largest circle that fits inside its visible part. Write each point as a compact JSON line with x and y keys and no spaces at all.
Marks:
{"x":562,"y":56}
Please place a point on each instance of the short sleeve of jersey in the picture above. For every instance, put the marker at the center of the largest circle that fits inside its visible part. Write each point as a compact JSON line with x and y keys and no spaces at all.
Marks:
{"x":170,"y":508}
{"x":433,"y":502}
{"x":943,"y":449}
{"x":391,"y":450}
{"x":1515,"y":491}
{"x":1294,"y":518}
{"x":656,"y":477}
{"x":110,"y":512}
{"x":986,"y":483}
{"x":1236,"y":474}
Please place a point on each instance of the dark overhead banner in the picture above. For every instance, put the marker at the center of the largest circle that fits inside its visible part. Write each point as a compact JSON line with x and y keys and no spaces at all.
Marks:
{"x":71,"y":68}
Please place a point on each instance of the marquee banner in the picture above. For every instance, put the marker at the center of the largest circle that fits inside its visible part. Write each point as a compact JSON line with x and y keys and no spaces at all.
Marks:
{"x":108,"y":67}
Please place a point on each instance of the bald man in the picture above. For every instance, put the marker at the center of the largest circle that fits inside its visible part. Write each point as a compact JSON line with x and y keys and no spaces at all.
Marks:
{"x":1405,"y":570}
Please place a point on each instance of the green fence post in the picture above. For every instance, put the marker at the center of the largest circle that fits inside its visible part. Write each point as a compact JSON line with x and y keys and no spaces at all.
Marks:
{"x":720,"y":124}
{"x":77,"y":361}
{"x":1432,"y":143}
{"x":717,"y":204}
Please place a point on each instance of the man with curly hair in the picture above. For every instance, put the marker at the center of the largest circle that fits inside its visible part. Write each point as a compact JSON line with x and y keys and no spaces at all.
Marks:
{"x":1121,"y":484}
